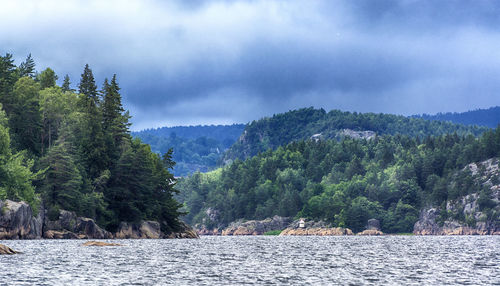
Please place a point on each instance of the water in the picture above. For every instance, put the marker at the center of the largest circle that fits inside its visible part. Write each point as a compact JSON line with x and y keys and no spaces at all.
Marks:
{"x":347,"y":260}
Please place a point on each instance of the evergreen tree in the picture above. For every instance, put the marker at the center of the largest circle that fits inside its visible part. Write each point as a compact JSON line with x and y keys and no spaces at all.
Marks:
{"x":66,"y":86}
{"x":93,"y":141}
{"x":27,"y":68}
{"x":8,"y":78}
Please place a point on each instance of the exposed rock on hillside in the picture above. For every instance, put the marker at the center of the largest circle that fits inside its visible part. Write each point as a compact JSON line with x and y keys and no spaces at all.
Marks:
{"x":480,"y":212}
{"x":367,"y":134}
{"x":257,"y":227}
{"x":17,"y":221}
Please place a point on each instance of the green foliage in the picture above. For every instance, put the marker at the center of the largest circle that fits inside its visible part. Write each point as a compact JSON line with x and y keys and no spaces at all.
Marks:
{"x":344,"y":182}
{"x":301,"y":124}
{"x":47,"y":78}
{"x":196,"y":148}
{"x":273,"y":232}
{"x":81,"y":149}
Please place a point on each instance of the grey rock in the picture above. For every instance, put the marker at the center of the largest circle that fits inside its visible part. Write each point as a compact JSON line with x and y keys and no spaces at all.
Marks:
{"x":17,"y":221}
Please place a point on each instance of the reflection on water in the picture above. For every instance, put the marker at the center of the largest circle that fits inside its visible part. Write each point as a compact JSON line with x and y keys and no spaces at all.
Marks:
{"x":438,"y":260}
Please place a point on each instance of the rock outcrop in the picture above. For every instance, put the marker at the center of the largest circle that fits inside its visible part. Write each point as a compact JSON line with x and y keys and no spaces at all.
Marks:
{"x":428,"y":225}
{"x":472,"y":218}
{"x":100,"y":243}
{"x":327,"y":231}
{"x":371,"y":232}
{"x":71,"y":226}
{"x":17,"y":221}
{"x":143,"y":229}
{"x":185,"y":232}
{"x":7,"y":250}
{"x":257,"y":227}
{"x":151,"y":229}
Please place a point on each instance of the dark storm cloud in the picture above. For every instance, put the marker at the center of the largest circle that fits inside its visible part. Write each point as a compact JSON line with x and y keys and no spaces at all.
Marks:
{"x":201,"y":61}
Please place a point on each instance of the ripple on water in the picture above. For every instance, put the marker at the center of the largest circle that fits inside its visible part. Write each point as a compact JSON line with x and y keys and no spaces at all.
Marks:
{"x":409,"y":260}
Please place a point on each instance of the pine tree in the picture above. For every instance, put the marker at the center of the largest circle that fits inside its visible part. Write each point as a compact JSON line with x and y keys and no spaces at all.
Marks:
{"x":66,"y":86}
{"x":88,"y":88}
{"x":27,"y":68}
{"x":93,"y":141}
{"x":115,"y":120}
{"x":8,"y":77}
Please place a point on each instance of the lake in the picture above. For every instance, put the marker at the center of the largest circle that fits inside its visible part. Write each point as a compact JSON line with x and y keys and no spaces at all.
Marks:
{"x":347,"y":260}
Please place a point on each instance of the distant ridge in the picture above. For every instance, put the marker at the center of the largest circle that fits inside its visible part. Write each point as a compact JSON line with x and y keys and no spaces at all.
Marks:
{"x":481,"y":117}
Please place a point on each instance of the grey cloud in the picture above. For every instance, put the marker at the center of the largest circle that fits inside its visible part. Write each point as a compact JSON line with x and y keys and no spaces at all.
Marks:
{"x":196,"y":62}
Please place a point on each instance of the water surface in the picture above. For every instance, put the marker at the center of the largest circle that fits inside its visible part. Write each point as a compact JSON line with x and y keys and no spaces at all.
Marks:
{"x":347,"y":260}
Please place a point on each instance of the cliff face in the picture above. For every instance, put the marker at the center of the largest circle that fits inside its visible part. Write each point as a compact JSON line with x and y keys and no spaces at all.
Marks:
{"x":17,"y":222}
{"x":477,"y":213}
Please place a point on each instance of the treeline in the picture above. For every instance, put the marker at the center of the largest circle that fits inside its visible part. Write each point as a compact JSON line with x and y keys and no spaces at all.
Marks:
{"x":195,"y":148}
{"x":482,"y":117}
{"x":346,"y":182}
{"x":73,"y":150}
{"x":301,"y":124}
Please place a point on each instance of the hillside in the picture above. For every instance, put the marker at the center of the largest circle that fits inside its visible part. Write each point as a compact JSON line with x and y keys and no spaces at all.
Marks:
{"x":281,"y":129}
{"x":195,"y":148}
{"x":481,"y":117}
{"x":348,"y":181}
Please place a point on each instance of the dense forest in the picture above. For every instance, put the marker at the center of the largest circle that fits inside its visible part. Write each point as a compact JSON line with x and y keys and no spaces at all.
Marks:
{"x":301,"y":124}
{"x":482,"y":117}
{"x":195,"y":148}
{"x":73,"y":150}
{"x":346,"y":181}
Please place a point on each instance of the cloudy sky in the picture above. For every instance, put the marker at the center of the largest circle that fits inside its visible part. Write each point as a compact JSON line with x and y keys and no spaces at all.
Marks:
{"x":211,"y":62}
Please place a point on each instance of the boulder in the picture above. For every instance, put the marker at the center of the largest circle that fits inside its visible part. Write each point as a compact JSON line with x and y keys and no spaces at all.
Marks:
{"x":100,"y":243}
{"x":70,"y":226}
{"x":7,"y":250}
{"x":143,"y":229}
{"x":17,"y":221}
{"x":373,"y":224}
{"x":185,"y":232}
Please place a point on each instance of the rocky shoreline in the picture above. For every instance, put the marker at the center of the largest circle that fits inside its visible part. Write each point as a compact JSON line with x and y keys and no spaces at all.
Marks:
{"x":17,"y":221}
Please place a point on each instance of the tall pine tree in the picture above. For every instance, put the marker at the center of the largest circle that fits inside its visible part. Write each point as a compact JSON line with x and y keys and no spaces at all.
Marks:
{"x":93,"y":143}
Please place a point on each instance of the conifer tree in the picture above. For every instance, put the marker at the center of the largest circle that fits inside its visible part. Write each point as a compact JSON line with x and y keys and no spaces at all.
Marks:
{"x":93,"y":142}
{"x":27,"y":68}
{"x":66,"y":86}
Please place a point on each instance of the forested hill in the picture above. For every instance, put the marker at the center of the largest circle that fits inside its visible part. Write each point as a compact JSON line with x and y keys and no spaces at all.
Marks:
{"x":281,"y":129}
{"x":482,"y":117}
{"x":225,"y":134}
{"x":347,"y":182}
{"x":73,"y":150}
{"x":195,"y":148}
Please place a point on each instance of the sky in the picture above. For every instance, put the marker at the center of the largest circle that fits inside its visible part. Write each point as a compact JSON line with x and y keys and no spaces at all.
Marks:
{"x":222,"y":62}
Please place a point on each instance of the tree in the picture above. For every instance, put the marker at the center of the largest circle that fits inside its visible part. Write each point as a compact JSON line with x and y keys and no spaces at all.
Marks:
{"x":115,"y":120}
{"x":47,"y":78}
{"x":15,"y":170}
{"x":93,"y":141}
{"x":66,"y":86}
{"x":25,"y":118}
{"x":8,"y":77}
{"x":27,"y":68}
